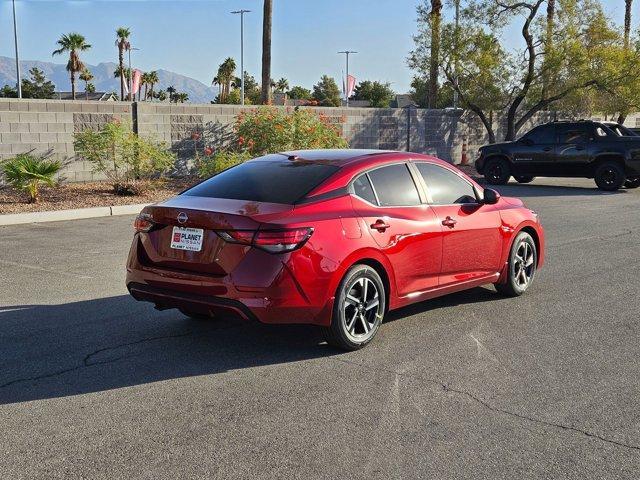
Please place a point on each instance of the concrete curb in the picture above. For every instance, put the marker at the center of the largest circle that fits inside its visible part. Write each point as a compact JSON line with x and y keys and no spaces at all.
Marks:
{"x":74,"y":214}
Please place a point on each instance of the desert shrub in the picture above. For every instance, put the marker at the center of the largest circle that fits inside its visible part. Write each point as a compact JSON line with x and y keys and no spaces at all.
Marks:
{"x":268,"y":129}
{"x":123,"y":157}
{"x":213,"y":163}
{"x":28,"y":172}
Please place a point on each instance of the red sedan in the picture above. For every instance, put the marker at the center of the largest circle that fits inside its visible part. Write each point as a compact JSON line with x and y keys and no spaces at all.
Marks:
{"x":334,"y":238}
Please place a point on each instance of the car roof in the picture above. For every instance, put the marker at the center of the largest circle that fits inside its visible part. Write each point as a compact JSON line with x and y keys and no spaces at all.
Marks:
{"x":336,"y":156}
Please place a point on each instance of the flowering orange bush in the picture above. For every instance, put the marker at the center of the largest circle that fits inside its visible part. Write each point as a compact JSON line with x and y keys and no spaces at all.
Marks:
{"x":269,"y":129}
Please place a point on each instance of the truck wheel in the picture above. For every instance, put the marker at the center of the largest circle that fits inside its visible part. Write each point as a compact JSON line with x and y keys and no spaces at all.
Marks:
{"x":497,"y":171}
{"x":524,"y":178}
{"x":609,"y":176}
{"x":632,"y":183}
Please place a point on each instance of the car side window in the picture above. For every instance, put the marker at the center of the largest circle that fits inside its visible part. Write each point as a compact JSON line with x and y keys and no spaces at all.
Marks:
{"x":394,"y":186}
{"x":446,"y":187}
{"x":573,"y":134}
{"x":541,"y":135}
{"x":362,"y":188}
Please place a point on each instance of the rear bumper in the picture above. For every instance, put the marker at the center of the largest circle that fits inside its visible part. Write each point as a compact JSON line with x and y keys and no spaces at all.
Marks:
{"x":272,"y":289}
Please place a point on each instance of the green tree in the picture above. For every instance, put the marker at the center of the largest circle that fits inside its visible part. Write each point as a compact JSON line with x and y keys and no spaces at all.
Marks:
{"x":171,"y":90}
{"x":326,"y":92}
{"x":122,"y":42}
{"x":225,"y":78}
{"x":37,"y":86}
{"x":86,"y":76}
{"x":28,"y":172}
{"x":282,"y":85}
{"x":267,"y":18}
{"x":8,"y":92}
{"x":152,"y":80}
{"x":379,"y":95}
{"x":299,"y":93}
{"x":74,"y":43}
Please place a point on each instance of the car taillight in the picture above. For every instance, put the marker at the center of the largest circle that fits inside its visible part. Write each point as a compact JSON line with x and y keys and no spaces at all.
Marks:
{"x":143,"y":223}
{"x":272,"y":241}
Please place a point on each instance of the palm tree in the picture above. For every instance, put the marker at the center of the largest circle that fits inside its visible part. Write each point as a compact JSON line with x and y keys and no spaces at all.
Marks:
{"x":73,"y":43}
{"x":171,"y":90}
{"x":627,"y":22}
{"x":266,"y":51}
{"x":216,"y":81}
{"x":225,"y":78}
{"x":86,"y":76}
{"x":152,"y":78}
{"x":161,"y":95}
{"x":282,"y":85}
{"x":144,"y":82}
{"x":181,"y":97}
{"x":122,"y":42}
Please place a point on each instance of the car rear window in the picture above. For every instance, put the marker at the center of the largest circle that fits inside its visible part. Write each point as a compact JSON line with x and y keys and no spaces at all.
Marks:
{"x":273,"y":181}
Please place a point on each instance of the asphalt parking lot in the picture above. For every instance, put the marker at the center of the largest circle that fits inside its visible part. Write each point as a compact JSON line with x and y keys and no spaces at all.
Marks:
{"x":96,"y":385}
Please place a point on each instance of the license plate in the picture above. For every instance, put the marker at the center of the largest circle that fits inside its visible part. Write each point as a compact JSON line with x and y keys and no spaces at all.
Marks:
{"x":189,"y":239}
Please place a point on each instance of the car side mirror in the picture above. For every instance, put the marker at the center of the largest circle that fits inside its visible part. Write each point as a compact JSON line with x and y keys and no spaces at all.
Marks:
{"x":491,"y":197}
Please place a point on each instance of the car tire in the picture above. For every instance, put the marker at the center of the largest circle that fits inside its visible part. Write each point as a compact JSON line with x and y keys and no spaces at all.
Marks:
{"x":524,"y":178}
{"x":521,"y":267}
{"x":609,"y":176}
{"x":497,"y":171}
{"x":632,"y":183}
{"x":358,"y":309}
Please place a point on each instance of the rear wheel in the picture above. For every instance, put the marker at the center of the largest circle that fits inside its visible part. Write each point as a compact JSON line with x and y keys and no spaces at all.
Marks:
{"x":358,"y":309}
{"x":609,"y":176}
{"x":523,"y":259}
{"x":497,"y":171}
{"x":632,"y":183}
{"x":524,"y":178}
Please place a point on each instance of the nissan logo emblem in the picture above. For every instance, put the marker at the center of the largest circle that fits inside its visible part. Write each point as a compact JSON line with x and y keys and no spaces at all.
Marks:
{"x":182,"y":217}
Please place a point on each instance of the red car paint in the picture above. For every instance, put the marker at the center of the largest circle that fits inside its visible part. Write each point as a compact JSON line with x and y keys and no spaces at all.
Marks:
{"x":417,"y":255}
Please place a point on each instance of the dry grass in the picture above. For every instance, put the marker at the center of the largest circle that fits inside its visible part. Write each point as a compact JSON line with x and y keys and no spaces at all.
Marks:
{"x":84,"y":195}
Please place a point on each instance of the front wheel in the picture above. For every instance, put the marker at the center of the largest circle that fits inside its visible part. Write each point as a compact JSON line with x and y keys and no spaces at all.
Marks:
{"x":523,"y":259}
{"x":524,"y":178}
{"x":358,"y":309}
{"x":497,"y":171}
{"x":632,"y":183}
{"x":609,"y":176}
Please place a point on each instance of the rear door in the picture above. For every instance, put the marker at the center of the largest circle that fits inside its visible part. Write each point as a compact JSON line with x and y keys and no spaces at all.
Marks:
{"x":534,"y":153}
{"x":472,"y":239}
{"x":575,"y":142}
{"x":406,"y":229}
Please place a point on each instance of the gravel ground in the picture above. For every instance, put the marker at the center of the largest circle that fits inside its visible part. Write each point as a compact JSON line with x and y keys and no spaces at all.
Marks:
{"x":84,"y":195}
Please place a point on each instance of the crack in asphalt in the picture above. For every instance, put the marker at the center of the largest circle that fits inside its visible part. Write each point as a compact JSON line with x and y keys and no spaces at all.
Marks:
{"x":446,"y":388}
{"x":86,"y":362}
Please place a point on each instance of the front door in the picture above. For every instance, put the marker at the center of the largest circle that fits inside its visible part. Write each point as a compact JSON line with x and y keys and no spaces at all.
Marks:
{"x":472,"y":237}
{"x":534,"y":153}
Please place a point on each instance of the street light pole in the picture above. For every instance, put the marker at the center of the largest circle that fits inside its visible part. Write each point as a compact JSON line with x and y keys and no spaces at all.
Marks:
{"x":241,"y":12}
{"x":455,"y":48}
{"x":346,"y":83}
{"x":15,"y":37}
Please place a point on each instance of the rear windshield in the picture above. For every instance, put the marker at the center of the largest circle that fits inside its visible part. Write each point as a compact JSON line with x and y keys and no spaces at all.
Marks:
{"x":272,"y":181}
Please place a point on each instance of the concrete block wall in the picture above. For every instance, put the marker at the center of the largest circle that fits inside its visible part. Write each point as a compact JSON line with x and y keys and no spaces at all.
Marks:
{"x":49,"y":125}
{"x":44,"y":125}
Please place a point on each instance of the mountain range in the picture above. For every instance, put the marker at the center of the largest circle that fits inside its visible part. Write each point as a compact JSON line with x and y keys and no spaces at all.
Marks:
{"x":104,"y":80}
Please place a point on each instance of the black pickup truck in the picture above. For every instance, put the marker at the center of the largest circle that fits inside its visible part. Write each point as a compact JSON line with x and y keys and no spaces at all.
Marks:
{"x":606,"y":152}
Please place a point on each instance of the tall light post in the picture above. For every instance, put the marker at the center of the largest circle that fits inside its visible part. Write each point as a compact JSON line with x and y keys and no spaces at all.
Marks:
{"x":346,"y":83}
{"x":455,"y":49}
{"x":241,"y":12}
{"x":15,"y":38}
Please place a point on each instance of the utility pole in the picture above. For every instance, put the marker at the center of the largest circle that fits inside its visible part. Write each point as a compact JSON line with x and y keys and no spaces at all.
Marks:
{"x":346,"y":83}
{"x":241,"y":12}
{"x":15,"y":37}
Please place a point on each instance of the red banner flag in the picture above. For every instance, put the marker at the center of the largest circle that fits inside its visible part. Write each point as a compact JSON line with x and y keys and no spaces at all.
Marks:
{"x":351,"y":85}
{"x":137,"y":75}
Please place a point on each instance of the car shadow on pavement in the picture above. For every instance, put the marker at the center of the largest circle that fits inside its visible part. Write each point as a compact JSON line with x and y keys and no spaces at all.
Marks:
{"x":530,"y":190}
{"x":52,"y":351}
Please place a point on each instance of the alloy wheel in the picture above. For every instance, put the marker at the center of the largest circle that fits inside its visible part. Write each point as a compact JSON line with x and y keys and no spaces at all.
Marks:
{"x":361,"y":309}
{"x":523,"y":265}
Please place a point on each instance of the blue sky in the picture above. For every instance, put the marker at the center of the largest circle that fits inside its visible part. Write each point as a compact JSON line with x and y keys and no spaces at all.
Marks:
{"x":193,"y":37}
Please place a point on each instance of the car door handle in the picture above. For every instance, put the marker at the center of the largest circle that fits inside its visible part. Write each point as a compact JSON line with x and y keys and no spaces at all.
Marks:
{"x":380,"y":225}
{"x":546,"y":149}
{"x":449,"y":222}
